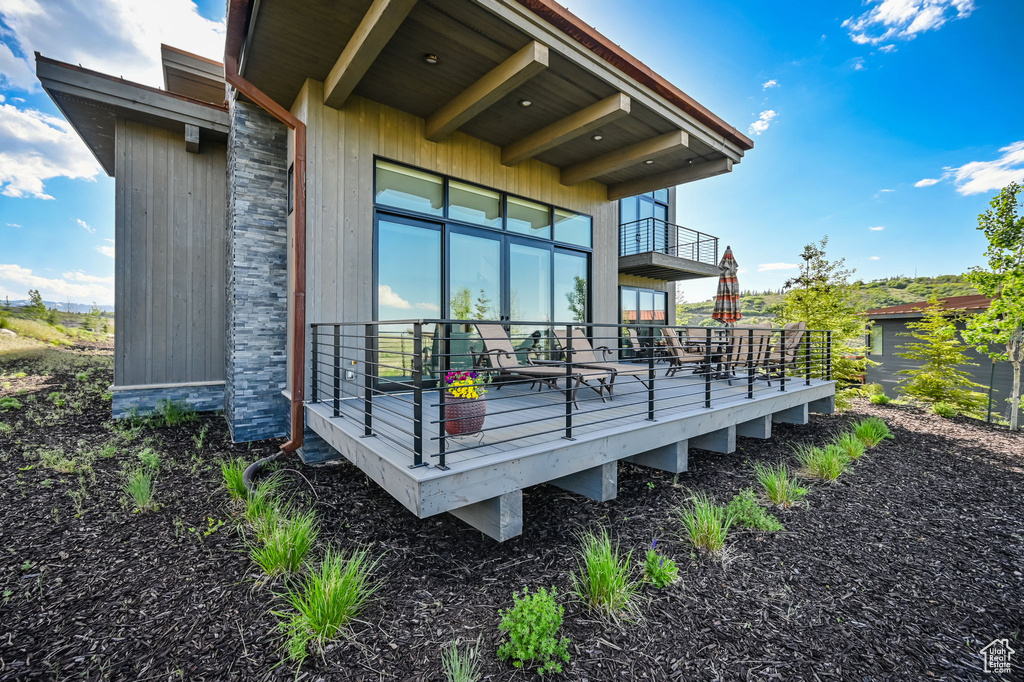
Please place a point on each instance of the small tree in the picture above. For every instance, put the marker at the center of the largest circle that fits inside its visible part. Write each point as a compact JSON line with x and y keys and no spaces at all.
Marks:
{"x":941,"y":377}
{"x":999,"y":331}
{"x":35,"y":306}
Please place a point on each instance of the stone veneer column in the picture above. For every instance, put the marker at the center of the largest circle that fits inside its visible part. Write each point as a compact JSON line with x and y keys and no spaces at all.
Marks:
{"x":257,"y":282}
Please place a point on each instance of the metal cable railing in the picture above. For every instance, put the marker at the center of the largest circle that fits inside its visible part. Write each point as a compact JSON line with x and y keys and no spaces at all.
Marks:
{"x":543,"y":380}
{"x":654,"y":234}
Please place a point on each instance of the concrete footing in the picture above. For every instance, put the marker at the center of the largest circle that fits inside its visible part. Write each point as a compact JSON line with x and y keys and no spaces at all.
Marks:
{"x":673,"y":458}
{"x":755,"y":428}
{"x":823,"y":405}
{"x":600,"y":483}
{"x":722,"y":440}
{"x":793,"y":415}
{"x":500,"y":517}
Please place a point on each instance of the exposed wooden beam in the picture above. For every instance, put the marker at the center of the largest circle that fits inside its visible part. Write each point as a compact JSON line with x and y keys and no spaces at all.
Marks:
{"x":568,"y":128}
{"x":191,"y":138}
{"x":495,"y":84}
{"x":625,"y":157}
{"x":680,"y":176}
{"x":373,"y":33}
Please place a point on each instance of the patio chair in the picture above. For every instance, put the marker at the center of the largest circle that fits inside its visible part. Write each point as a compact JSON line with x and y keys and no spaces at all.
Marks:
{"x":747,"y":346}
{"x":678,"y":355}
{"x":785,"y":348}
{"x":503,"y":358}
{"x":583,"y":355}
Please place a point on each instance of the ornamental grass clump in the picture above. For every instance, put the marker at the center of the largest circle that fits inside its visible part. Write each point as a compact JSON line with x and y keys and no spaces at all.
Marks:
{"x":779,"y":485}
{"x":327,"y":600}
{"x":849,"y":443}
{"x":826,"y":463}
{"x":659,"y":570}
{"x":285,"y":543}
{"x":880,"y":399}
{"x":872,"y":431}
{"x":603,"y":578}
{"x":139,"y":488}
{"x":532,"y":626}
{"x":263,"y":505}
{"x":233,"y":471}
{"x":748,"y":513}
{"x":460,"y":665}
{"x":707,"y":524}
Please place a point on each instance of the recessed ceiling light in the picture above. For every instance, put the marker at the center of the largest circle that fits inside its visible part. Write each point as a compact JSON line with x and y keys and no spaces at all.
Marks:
{"x":525,"y":102}
{"x":431,"y":58}
{"x":649,"y":161}
{"x":595,"y":138}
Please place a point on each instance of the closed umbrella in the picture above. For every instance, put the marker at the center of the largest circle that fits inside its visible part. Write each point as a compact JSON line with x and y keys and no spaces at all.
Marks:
{"x":727,"y":301}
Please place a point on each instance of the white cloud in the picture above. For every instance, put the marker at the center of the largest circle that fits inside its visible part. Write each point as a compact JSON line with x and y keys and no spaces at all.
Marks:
{"x":765,"y":267}
{"x":858,"y":64}
{"x":35,"y":147}
{"x":85,"y":226}
{"x":877,"y":228}
{"x":762,"y":122}
{"x":889,"y":20}
{"x":874,"y":258}
{"x":770,"y":84}
{"x":927,"y":182}
{"x":79,"y":276}
{"x":887,"y":48}
{"x":120,"y":37}
{"x":15,"y":72}
{"x":976,"y":177}
{"x":13,"y":225}
{"x":84,"y":288}
{"x":386,"y":296}
{"x":881,"y":192}
{"x":107,"y":249}
{"x":432,"y":307}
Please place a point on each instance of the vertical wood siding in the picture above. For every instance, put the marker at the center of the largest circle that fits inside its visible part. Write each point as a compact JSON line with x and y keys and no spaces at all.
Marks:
{"x":170,"y":247}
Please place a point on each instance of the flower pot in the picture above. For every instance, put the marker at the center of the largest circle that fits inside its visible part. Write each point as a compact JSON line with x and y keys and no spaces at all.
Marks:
{"x":468,"y":415}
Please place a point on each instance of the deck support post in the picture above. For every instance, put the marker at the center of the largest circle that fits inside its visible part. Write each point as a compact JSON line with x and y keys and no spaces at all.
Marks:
{"x":722,"y":441}
{"x":499,"y":517}
{"x":599,"y":483}
{"x":756,"y":428}
{"x":793,"y":415}
{"x":825,"y":405}
{"x":673,"y":458}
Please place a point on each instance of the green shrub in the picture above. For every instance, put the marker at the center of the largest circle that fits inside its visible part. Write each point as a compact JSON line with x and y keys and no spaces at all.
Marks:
{"x":174,"y":412}
{"x":284,"y":543}
{"x":139,"y":487}
{"x":233,"y":470}
{"x":10,"y":403}
{"x":532,"y":626}
{"x":746,"y":512}
{"x":707,"y":524}
{"x":603,"y":579}
{"x":659,"y":570}
{"x":461,"y":666}
{"x":880,"y":399}
{"x":945,"y":410}
{"x":327,"y":600}
{"x":850,"y":444}
{"x":874,"y":389}
{"x":150,"y":459}
{"x":779,"y":485}
{"x":872,"y":431}
{"x":827,"y":463}
{"x":6,"y":429}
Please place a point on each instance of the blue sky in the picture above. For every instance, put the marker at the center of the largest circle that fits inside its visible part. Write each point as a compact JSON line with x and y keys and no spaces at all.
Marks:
{"x":855,"y":104}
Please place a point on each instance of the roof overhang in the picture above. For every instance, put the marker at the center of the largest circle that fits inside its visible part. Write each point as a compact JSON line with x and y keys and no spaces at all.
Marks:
{"x":597,"y":113}
{"x":192,"y":76}
{"x":93,"y":101}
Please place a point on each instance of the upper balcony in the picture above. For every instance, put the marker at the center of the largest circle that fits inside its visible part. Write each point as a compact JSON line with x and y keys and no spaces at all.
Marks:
{"x":651,"y":247}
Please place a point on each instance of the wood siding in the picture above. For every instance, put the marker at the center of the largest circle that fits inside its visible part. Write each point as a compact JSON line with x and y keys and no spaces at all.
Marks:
{"x":170,"y":264}
{"x":340,"y":149}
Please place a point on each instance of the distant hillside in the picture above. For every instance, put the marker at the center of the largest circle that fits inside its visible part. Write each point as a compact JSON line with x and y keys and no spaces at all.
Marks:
{"x":63,"y":307}
{"x":878,"y":293}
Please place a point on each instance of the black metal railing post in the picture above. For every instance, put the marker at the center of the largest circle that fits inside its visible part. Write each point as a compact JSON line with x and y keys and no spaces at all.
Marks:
{"x":807,"y":358}
{"x":417,"y":398}
{"x":783,"y":352}
{"x":750,"y":363}
{"x":651,"y":373}
{"x":368,"y":374}
{"x":828,"y":355}
{"x":442,"y":369}
{"x":707,"y":369}
{"x":337,"y":370}
{"x":569,"y":381}
{"x":314,"y":396}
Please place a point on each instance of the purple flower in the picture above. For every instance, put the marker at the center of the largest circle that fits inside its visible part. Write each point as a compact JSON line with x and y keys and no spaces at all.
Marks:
{"x":654,"y":543}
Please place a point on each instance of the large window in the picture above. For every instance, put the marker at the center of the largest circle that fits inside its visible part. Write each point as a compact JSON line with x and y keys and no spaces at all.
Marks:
{"x":643,"y":221}
{"x":643,"y":306}
{"x":875,"y":338}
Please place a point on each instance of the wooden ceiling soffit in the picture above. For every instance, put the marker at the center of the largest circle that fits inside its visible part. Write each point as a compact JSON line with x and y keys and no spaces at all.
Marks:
{"x":679,"y":176}
{"x":625,"y":157}
{"x":568,"y":128}
{"x":495,"y":84}
{"x":373,"y":33}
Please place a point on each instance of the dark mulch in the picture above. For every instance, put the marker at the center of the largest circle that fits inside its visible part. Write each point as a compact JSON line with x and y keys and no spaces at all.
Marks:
{"x":903,"y":569}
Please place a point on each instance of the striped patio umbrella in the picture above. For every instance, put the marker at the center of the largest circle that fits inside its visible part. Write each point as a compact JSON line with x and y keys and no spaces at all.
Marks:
{"x":727,"y":301}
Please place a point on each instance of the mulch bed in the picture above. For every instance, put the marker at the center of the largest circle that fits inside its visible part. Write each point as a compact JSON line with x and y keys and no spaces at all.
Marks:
{"x":903,"y":569}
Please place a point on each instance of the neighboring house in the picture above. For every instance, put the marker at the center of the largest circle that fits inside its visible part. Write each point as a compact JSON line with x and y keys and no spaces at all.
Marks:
{"x":358,"y":162}
{"x":887,"y":334}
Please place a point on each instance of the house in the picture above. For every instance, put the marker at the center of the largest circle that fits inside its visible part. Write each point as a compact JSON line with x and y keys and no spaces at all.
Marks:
{"x":308,"y":234}
{"x":888,"y":332}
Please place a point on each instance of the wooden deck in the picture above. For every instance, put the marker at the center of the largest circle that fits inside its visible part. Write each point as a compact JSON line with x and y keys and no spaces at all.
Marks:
{"x":524,"y":444}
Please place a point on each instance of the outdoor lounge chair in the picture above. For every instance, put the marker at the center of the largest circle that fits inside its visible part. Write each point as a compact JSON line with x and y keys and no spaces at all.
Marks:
{"x":747,"y":346}
{"x":678,"y":355}
{"x":502,"y":357}
{"x":583,"y":355}
{"x":786,"y":348}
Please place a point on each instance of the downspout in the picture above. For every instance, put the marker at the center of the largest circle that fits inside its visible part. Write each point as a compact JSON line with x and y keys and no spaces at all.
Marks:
{"x":237,"y":15}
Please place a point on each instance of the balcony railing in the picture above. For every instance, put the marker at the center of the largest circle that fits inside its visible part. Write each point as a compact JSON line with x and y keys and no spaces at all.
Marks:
{"x":653,"y":234}
{"x":545,"y":380}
